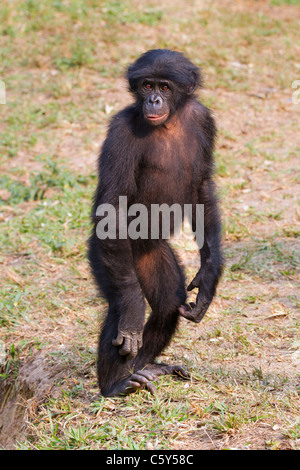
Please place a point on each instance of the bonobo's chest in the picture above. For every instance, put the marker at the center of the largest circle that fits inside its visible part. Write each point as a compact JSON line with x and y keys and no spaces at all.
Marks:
{"x":166,"y":171}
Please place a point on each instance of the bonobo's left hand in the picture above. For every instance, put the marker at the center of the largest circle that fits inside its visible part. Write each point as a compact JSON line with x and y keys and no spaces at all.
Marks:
{"x":196,"y":311}
{"x":131,"y":342}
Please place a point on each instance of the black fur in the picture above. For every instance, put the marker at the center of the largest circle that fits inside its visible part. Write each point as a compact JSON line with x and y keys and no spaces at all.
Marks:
{"x":153,"y":164}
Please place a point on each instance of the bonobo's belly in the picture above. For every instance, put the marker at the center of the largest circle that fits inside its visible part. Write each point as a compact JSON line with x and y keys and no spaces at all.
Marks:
{"x":159,"y":187}
{"x":165,"y":179}
{"x":164,"y":195}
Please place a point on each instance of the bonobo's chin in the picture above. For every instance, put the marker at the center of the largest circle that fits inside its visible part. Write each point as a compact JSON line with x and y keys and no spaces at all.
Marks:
{"x":156,"y":120}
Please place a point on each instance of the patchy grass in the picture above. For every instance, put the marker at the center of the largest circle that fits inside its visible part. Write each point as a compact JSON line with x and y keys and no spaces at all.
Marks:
{"x":62,"y":63}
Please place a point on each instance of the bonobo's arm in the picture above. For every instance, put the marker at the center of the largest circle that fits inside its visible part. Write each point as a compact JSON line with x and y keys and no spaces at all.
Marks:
{"x":117,"y":178}
{"x":211,"y":258}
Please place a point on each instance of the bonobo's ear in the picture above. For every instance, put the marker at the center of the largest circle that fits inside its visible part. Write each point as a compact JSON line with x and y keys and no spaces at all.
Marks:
{"x":194,"y":82}
{"x":131,"y":79}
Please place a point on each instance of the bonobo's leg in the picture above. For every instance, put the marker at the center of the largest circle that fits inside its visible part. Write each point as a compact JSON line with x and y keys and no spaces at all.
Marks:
{"x":114,"y":360}
{"x":162,"y":282}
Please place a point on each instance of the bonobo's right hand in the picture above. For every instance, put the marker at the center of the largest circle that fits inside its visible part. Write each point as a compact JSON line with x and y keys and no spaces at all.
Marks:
{"x":131,"y":342}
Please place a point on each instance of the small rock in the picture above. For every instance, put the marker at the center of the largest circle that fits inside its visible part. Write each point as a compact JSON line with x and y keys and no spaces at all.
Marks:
{"x":2,"y":353}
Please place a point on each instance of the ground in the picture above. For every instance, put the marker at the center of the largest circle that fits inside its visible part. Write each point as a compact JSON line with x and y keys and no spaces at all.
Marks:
{"x":63,"y":64}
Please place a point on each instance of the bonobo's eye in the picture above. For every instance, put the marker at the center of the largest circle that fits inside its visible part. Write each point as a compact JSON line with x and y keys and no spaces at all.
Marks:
{"x":147,"y":86}
{"x":164,"y":87}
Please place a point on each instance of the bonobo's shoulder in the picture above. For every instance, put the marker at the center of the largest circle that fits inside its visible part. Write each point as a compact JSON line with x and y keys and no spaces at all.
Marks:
{"x":203,"y":119}
{"x":119,"y":138}
{"x":122,"y":119}
{"x":199,"y":111}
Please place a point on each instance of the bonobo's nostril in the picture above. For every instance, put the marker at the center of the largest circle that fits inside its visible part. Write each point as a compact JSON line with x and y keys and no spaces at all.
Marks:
{"x":155,"y":100}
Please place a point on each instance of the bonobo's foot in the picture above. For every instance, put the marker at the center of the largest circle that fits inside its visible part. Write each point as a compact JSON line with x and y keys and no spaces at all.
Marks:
{"x":165,"y":369}
{"x":138,"y":380}
{"x":142,"y":379}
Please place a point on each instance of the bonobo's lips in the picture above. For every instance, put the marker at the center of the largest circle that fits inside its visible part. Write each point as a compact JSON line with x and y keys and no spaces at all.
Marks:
{"x":155,"y":117}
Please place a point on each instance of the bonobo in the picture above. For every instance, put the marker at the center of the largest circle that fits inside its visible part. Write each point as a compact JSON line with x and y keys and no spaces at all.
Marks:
{"x":159,"y":150}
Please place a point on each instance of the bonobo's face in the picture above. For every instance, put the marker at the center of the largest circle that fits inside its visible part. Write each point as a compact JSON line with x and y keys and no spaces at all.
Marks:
{"x":156,"y":95}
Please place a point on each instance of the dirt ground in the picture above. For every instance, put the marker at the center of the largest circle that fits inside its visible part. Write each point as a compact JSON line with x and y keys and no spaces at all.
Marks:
{"x":244,"y":357}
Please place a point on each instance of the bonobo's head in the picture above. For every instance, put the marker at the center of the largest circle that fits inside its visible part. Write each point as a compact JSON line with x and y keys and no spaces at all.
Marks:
{"x":162,"y":81}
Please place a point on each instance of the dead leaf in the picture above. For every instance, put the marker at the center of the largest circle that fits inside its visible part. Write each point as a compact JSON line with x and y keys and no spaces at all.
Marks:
{"x":5,"y":194}
{"x":276,"y":315}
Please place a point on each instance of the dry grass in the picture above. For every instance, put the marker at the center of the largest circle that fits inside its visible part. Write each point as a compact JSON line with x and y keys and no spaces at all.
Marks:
{"x":62,"y":63}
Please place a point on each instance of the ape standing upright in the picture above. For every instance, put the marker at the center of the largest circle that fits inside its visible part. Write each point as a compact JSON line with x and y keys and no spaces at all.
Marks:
{"x":158,"y":150}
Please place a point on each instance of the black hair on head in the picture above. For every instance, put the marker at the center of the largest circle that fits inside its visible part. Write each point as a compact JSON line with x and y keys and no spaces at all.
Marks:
{"x":165,"y":64}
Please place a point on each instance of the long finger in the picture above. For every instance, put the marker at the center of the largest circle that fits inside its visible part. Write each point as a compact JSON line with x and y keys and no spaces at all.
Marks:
{"x":126,"y":348}
{"x":146,"y":374}
{"x":118,"y":340}
{"x":151,"y":388}
{"x":191,"y":286}
{"x":131,"y":385}
{"x":188,"y":316}
{"x":181,"y":371}
{"x":138,"y":377}
{"x":140,"y":343}
{"x":188,"y":313}
{"x":134,"y":346}
{"x":182,"y":309}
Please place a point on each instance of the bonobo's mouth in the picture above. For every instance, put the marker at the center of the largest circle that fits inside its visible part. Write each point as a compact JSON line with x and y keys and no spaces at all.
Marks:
{"x":156,"y":119}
